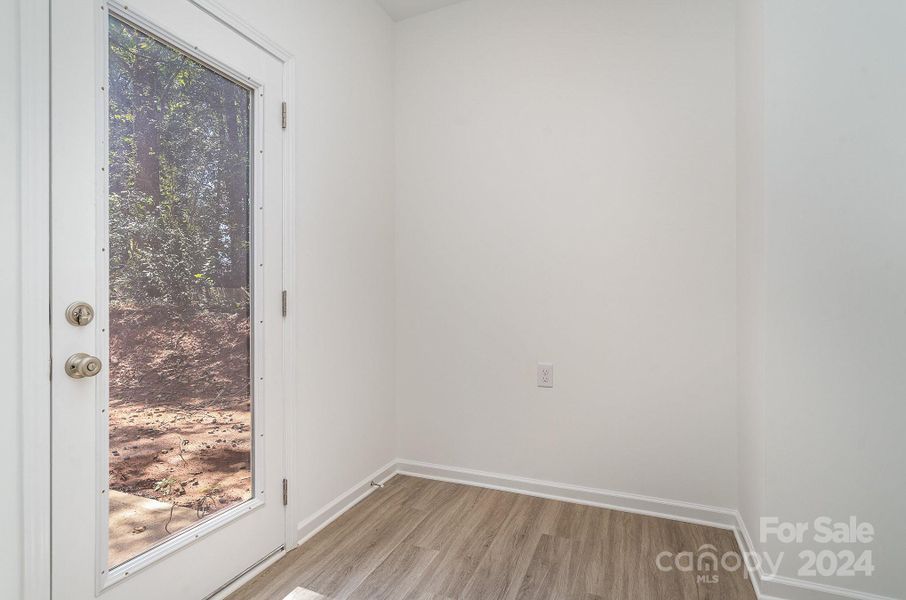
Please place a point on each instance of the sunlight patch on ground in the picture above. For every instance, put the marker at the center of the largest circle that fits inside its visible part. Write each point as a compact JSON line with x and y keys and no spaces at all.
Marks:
{"x":138,"y":523}
{"x":303,"y":594}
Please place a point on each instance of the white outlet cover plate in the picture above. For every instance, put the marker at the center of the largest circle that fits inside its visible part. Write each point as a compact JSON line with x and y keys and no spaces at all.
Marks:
{"x":545,"y":375}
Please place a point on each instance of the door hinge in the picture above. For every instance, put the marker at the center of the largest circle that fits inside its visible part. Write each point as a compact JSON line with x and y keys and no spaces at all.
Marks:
{"x":285,"y":492}
{"x":283,"y":302}
{"x":284,"y":117}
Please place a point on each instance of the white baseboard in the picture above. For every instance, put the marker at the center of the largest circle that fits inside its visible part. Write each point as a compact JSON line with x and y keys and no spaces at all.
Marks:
{"x":778,"y":587}
{"x":676,"y":510}
{"x":344,"y":502}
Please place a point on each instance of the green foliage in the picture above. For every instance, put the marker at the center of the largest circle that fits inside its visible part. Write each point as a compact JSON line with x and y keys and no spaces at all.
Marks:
{"x":179,"y":173}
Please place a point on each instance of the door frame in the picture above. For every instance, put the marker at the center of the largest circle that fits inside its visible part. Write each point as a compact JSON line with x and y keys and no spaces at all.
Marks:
{"x":35,"y":280}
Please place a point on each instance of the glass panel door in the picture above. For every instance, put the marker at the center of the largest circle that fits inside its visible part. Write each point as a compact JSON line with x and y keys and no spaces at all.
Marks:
{"x":168,"y":421}
{"x":180,"y":244}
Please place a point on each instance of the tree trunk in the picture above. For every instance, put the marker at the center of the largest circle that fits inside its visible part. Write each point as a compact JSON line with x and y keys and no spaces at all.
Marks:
{"x":148,"y":115}
{"x":235,"y":190}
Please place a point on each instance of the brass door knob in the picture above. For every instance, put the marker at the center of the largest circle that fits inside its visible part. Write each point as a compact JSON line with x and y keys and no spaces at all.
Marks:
{"x":82,"y":365}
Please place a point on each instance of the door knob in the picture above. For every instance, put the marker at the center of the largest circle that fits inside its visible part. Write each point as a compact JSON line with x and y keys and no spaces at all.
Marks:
{"x":82,"y":365}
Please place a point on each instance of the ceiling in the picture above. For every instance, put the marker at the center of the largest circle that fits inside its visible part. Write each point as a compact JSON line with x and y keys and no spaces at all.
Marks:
{"x":403,"y":9}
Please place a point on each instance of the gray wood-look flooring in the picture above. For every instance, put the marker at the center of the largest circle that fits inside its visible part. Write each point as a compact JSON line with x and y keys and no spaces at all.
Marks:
{"x":418,"y":539}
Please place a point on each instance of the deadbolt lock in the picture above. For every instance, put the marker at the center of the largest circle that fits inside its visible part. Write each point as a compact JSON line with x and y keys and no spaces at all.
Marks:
{"x":79,"y":313}
{"x":82,"y":365}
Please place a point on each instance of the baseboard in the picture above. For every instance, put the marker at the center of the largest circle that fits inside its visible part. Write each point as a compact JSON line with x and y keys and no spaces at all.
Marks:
{"x":676,"y":510}
{"x":778,"y":587}
{"x":344,"y":502}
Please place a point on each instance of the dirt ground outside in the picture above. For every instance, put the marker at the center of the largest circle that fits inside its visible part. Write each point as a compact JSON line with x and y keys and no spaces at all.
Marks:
{"x":180,"y":418}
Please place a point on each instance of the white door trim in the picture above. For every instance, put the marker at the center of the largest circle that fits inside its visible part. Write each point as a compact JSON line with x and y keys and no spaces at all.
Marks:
{"x":34,"y":273}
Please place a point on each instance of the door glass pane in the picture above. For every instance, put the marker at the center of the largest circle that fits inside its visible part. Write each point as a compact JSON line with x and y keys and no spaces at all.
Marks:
{"x":179,"y":225}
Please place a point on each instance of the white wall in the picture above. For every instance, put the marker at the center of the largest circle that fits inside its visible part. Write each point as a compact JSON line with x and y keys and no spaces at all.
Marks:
{"x":750,"y":274}
{"x":832,"y":275}
{"x":835,"y":148}
{"x":10,"y":468}
{"x":565,"y":193}
{"x":343,"y":120}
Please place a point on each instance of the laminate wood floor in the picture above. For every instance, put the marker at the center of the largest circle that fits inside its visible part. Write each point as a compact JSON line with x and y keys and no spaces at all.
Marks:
{"x":418,"y":539}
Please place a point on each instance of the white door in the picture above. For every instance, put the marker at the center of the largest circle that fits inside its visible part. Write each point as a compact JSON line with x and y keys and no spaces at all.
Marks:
{"x":167,"y":333}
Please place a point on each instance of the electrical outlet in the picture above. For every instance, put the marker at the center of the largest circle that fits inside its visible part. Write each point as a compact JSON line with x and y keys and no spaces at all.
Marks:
{"x":545,"y":375}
